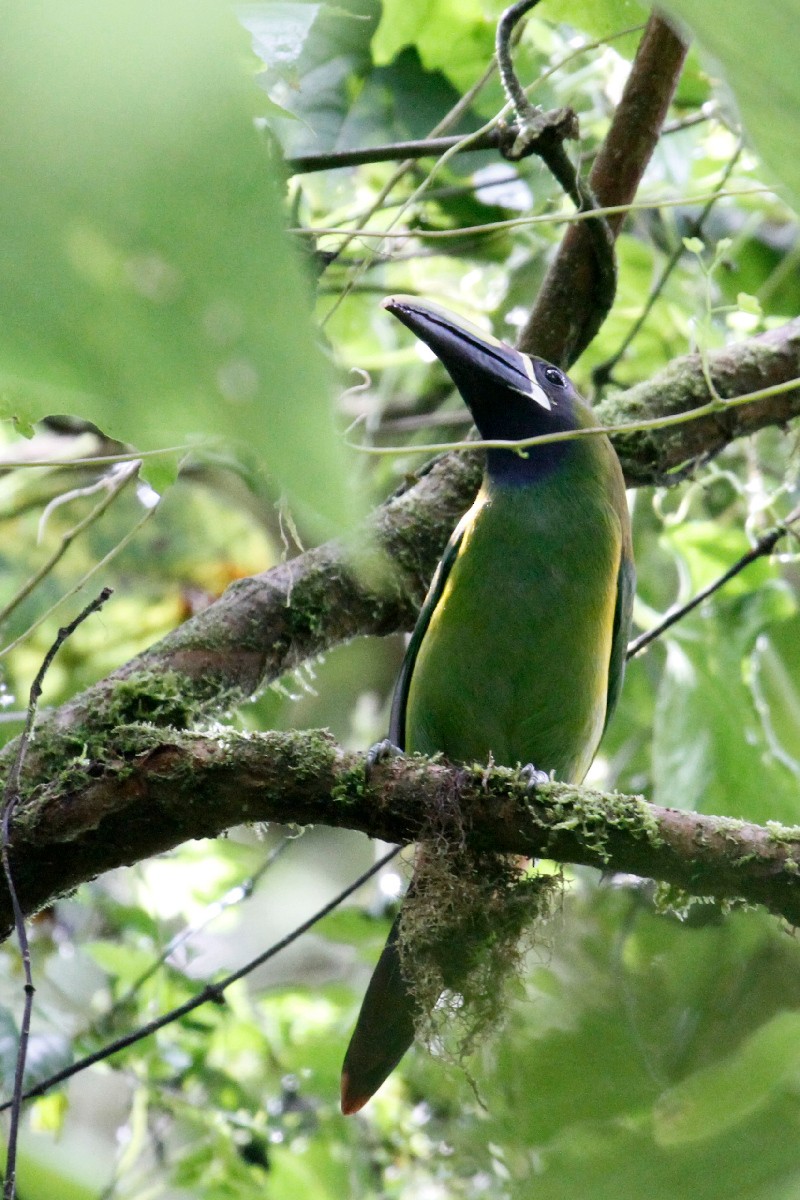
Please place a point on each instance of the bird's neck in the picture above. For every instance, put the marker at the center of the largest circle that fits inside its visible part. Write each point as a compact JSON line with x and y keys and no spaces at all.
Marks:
{"x":512,"y":468}
{"x":521,"y":468}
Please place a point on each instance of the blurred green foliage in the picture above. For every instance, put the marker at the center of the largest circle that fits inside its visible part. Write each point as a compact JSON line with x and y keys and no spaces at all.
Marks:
{"x":760,"y":69}
{"x":148,"y":286}
{"x":652,"y":1048}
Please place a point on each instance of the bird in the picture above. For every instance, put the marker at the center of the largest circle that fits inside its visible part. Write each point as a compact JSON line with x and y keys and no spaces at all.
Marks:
{"x":518,"y":653}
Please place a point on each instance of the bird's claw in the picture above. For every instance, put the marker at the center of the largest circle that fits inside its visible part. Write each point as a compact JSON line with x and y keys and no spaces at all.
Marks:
{"x":532,"y":777}
{"x":380,"y":752}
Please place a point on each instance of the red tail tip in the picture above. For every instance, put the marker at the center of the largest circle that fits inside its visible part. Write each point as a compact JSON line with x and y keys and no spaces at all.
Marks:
{"x":350,"y":1103}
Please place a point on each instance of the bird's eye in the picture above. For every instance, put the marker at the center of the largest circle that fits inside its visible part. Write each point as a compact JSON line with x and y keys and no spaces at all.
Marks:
{"x":554,"y":376}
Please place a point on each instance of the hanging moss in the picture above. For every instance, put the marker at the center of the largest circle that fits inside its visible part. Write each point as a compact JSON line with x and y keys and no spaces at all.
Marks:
{"x":466,"y":924}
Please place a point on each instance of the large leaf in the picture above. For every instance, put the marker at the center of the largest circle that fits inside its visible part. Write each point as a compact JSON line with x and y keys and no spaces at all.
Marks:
{"x":775,"y":680}
{"x":318,"y":74}
{"x":452,"y":36}
{"x":652,"y":1058}
{"x":279,"y":30}
{"x":759,"y":59}
{"x":146,"y":283}
{"x":718,"y":1097}
{"x":712,"y":749}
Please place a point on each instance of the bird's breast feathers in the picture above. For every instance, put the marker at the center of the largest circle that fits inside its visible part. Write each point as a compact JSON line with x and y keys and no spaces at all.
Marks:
{"x":515,"y":660}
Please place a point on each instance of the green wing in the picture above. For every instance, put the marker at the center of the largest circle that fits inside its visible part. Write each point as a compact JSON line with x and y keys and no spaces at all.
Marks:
{"x":626,"y":588}
{"x":397,"y":721}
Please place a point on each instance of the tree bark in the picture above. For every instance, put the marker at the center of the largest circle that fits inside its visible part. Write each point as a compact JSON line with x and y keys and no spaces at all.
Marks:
{"x":373,"y":584}
{"x":151,"y":791}
{"x":99,"y":790}
{"x":562,"y":322}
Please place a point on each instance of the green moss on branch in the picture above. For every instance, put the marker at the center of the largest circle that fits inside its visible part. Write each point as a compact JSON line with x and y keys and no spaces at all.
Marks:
{"x":139,"y":790}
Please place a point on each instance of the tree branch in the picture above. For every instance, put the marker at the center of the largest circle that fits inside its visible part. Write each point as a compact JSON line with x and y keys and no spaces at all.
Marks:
{"x":151,"y":791}
{"x":96,"y":794}
{"x":761,"y":362}
{"x":544,"y":134}
{"x":565,"y":318}
{"x":432,"y":147}
{"x":269,"y":624}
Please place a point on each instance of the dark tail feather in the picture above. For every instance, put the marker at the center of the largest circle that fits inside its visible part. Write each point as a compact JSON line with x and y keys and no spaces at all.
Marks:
{"x":383,"y":1032}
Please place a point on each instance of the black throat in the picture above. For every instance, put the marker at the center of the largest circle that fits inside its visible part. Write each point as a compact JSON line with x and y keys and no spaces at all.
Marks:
{"x":512,"y":422}
{"x":520,"y":468}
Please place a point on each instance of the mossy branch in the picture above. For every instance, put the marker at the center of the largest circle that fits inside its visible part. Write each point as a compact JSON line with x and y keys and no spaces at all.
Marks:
{"x":151,"y":790}
{"x":269,"y":624}
{"x":666,"y":456}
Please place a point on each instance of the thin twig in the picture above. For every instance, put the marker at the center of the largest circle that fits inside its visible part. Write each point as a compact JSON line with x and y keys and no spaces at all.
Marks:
{"x":113,"y":488}
{"x":509,"y":19}
{"x":764,"y":546}
{"x":717,"y":404}
{"x":575,"y":218}
{"x":10,"y":799}
{"x":212,"y":992}
{"x":430,"y":147}
{"x":707,"y":112}
{"x":423,"y":420}
{"x":543,"y":134}
{"x":602,"y":373}
{"x":100,"y":460}
{"x":233,"y":896}
{"x":113,"y":552}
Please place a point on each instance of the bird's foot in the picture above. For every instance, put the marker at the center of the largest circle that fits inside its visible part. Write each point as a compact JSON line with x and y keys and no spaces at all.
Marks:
{"x":532,"y":777}
{"x":380,"y":752}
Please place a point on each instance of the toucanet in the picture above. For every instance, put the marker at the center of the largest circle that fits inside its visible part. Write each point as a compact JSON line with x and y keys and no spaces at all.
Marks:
{"x":519,"y":649}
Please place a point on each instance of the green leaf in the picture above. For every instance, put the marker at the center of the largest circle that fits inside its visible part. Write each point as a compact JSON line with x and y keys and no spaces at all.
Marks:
{"x":709,"y":750}
{"x":724,"y":1094}
{"x":49,"y":1167}
{"x":597,"y":20}
{"x":451,"y":36}
{"x":354,"y":927}
{"x":124,"y":963}
{"x":147,"y":282}
{"x":709,"y":548}
{"x":626,"y":1009}
{"x":749,"y":304}
{"x":759,"y":60}
{"x":775,"y":681}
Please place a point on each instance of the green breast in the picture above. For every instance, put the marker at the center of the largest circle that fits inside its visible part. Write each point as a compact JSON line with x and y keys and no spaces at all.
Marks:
{"x":514,"y":663}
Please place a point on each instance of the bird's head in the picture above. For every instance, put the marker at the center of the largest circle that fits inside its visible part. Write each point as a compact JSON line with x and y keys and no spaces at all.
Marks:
{"x":511,"y":395}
